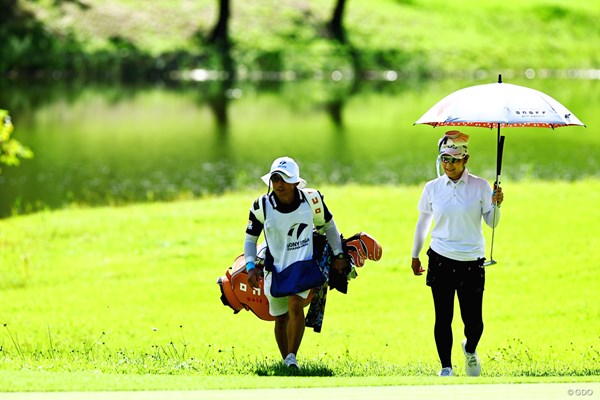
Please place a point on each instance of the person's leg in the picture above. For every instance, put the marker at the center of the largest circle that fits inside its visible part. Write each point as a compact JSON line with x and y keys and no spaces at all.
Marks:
{"x":470,"y":300}
{"x":278,"y":307}
{"x":443,"y":301}
{"x":281,"y":336}
{"x":295,"y":326}
{"x":471,"y":311}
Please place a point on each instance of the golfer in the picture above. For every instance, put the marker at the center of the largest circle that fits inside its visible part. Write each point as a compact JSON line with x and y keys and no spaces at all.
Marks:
{"x":456,"y":202}
{"x":288,"y":228}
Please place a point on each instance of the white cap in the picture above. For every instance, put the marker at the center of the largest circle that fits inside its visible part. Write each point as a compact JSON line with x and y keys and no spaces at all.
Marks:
{"x":454,"y":143}
{"x":288,"y":169}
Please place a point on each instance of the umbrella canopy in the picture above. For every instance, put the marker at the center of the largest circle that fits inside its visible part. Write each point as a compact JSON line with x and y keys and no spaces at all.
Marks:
{"x":499,"y":105}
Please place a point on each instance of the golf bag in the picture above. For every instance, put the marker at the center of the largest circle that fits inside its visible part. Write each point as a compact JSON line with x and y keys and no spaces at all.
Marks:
{"x":237,"y":293}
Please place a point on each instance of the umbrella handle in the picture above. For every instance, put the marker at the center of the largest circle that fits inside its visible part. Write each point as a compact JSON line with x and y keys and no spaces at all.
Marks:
{"x":500,"y":150}
{"x":499,"y":157}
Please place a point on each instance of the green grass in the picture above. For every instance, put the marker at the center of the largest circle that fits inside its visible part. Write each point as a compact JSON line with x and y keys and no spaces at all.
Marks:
{"x":409,"y":35}
{"x":118,"y":296}
{"x":29,"y":381}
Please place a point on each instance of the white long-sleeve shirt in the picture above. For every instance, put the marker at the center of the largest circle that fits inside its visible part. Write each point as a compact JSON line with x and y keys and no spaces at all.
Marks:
{"x":457,"y":210}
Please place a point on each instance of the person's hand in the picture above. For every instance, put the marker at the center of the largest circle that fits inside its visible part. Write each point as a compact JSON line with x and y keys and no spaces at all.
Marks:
{"x":417,"y":267}
{"x":339,"y":264}
{"x":254,"y":278}
{"x":497,"y":196}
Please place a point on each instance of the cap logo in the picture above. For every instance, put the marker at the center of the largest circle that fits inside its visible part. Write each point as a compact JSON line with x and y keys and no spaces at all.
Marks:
{"x":288,"y":169}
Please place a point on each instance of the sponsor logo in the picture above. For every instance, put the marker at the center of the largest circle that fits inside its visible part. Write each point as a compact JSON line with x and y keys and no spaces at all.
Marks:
{"x":283,"y":165}
{"x":298,"y":244}
{"x":531,"y":113}
{"x":255,"y":291}
{"x":296,"y":230}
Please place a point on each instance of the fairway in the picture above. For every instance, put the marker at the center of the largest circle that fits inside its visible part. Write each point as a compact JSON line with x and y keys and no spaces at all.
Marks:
{"x":446,"y":392}
{"x":125,"y":298}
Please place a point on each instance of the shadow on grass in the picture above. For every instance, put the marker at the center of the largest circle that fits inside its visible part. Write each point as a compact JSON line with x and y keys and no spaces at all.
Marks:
{"x":277,"y":368}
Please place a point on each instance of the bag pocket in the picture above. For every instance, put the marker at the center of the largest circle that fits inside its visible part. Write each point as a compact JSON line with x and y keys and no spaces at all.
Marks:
{"x":296,"y":278}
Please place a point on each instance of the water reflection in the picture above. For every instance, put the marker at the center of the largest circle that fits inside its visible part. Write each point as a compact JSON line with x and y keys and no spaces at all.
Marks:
{"x":98,"y":144}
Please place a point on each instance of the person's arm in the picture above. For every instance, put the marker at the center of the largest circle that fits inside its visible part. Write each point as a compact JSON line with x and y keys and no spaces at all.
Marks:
{"x":253,"y":231}
{"x":423,"y":224}
{"x":333,"y":237}
{"x":492,"y":217}
{"x":335,"y":242}
{"x":250,"y":250}
{"x":250,"y":256}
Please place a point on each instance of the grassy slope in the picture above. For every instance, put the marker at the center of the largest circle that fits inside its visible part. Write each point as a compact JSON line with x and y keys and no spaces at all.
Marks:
{"x":126,"y":290}
{"x":411,"y":34}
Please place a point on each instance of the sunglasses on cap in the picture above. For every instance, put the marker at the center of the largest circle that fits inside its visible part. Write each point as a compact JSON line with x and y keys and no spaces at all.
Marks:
{"x":449,"y":159}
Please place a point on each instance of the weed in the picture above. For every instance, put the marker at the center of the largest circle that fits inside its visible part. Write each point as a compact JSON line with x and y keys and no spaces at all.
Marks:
{"x":15,"y":341}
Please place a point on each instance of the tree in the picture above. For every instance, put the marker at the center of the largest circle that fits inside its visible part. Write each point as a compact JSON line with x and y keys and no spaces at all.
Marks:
{"x":10,"y":149}
{"x":26,"y":44}
{"x":220,"y":33}
{"x":336,"y":25}
{"x":219,"y":38}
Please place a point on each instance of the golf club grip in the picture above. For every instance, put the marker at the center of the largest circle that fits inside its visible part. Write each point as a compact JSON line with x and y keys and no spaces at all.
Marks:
{"x":499,"y":156}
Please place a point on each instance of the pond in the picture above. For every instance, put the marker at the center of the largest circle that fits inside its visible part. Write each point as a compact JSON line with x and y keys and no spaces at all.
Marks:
{"x":113,"y":144}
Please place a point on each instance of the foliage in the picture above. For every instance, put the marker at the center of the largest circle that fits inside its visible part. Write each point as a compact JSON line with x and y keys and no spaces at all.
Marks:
{"x":10,"y":148}
{"x":29,"y":46}
{"x":418,"y":38}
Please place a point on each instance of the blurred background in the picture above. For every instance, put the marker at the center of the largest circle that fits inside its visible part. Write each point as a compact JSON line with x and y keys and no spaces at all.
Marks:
{"x":133,"y":101}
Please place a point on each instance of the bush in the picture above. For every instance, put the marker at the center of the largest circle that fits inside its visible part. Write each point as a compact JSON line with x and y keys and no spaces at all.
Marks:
{"x":10,"y":149}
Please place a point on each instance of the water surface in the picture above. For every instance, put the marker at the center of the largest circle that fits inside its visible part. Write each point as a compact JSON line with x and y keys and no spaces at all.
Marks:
{"x":117,"y":144}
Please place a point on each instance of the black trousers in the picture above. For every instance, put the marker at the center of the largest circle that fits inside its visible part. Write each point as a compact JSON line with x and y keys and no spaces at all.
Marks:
{"x":448,"y":277}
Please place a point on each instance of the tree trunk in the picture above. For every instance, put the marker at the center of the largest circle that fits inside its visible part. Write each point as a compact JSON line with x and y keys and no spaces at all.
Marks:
{"x":336,"y":25}
{"x":220,"y":33}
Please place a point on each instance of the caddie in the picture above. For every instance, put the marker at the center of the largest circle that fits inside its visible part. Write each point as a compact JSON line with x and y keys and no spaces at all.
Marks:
{"x":287,"y":215}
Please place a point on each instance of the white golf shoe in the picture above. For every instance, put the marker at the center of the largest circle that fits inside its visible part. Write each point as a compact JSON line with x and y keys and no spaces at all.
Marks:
{"x":290,"y":361}
{"x":472,"y":363}
{"x":447,"y":371}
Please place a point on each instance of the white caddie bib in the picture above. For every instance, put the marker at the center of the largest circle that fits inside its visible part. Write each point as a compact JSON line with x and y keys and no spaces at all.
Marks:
{"x":289,"y":235}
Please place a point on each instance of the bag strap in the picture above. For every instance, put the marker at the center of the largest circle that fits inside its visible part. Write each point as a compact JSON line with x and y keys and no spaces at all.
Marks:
{"x":312,"y":197}
{"x":260,"y":211}
{"x":315,"y":201}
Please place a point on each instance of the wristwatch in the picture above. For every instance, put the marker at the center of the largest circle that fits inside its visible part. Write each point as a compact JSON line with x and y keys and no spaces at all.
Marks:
{"x":340,"y":256}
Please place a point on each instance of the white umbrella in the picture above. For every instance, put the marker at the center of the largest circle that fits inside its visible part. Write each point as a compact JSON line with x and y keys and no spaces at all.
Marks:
{"x":498,"y":105}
